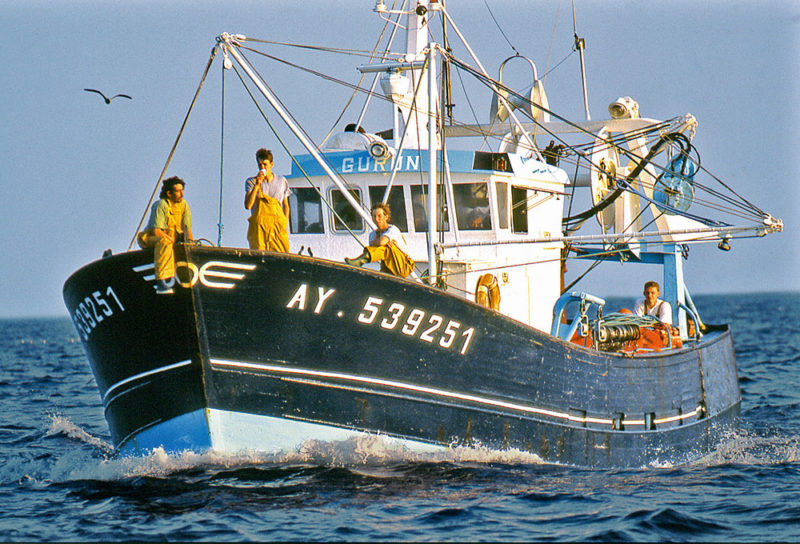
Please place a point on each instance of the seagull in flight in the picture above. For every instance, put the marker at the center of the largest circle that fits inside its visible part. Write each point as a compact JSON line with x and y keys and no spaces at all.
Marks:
{"x":108,"y":100}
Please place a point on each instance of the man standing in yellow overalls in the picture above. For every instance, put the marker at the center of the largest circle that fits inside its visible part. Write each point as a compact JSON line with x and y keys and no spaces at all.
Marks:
{"x":170,"y":222}
{"x":267,"y":197}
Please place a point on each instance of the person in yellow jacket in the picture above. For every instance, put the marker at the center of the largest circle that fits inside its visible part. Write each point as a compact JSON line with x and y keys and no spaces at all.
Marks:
{"x":386,"y":245}
{"x":266,"y":195}
{"x":170,"y":222}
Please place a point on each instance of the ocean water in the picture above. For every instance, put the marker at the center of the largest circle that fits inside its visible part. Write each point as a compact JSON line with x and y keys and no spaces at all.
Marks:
{"x":59,"y":480}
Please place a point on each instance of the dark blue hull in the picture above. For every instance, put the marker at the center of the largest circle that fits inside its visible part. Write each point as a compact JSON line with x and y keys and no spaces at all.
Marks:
{"x":261,"y":337}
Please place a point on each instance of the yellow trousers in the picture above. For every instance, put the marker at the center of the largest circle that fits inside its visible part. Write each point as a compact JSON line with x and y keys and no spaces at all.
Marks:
{"x":268,"y":226}
{"x":164,"y":253}
{"x":392,"y":259}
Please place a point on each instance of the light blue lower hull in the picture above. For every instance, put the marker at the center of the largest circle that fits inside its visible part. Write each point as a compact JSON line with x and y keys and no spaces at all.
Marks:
{"x":235,"y":432}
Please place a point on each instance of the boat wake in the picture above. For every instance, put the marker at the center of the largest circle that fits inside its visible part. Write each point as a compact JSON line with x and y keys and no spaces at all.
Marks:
{"x":747,"y":447}
{"x":373,"y":454}
{"x":364,"y":452}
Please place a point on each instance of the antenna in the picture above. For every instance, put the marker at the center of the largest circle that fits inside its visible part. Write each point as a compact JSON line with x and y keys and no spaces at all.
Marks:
{"x":580,"y":45}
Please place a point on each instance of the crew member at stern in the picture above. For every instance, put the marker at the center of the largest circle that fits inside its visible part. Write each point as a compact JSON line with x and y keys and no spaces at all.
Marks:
{"x":386,"y":244}
{"x":266,"y":195}
{"x":652,"y":305}
{"x":170,"y":222}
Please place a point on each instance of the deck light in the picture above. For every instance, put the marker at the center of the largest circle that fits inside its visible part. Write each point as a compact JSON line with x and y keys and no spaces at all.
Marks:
{"x":625,"y":107}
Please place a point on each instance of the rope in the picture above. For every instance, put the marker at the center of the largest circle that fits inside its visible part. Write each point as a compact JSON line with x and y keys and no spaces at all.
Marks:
{"x":174,"y":146}
{"x":351,"y":52}
{"x":552,"y":41}
{"x":562,"y":61}
{"x":471,"y":107}
{"x":220,"y":226}
{"x":579,"y":278}
{"x":528,"y":263}
{"x":485,"y":3}
{"x":616,"y":318}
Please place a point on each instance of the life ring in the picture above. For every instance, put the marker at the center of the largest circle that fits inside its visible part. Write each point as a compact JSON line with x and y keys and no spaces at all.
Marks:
{"x":487,"y":292}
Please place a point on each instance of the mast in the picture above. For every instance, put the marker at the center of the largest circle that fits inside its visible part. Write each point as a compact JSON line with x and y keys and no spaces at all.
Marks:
{"x":447,"y":94}
{"x":414,"y":109}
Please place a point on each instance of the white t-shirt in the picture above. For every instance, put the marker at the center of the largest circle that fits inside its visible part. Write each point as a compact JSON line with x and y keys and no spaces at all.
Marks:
{"x":662,"y":310}
{"x":278,"y":188}
{"x":394,"y":235}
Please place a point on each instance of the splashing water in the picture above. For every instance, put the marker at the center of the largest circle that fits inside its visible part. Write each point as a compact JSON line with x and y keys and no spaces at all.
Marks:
{"x":368,"y":450}
{"x":60,"y":425}
{"x":743,"y":447}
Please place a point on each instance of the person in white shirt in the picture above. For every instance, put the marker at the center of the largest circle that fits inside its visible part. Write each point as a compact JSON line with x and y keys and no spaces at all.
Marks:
{"x":266,"y":195}
{"x":386,"y":245}
{"x":652,"y":305}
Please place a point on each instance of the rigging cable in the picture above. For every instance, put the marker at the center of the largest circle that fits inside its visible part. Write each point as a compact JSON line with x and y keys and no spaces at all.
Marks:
{"x":741,"y":209}
{"x":552,"y":41}
{"x":562,"y":61}
{"x":616,"y":141}
{"x":499,"y":28}
{"x":612,"y":142}
{"x":352,"y":52}
{"x":294,"y":159}
{"x":399,"y":148}
{"x":174,"y":145}
{"x":743,"y":204}
{"x":361,"y":79}
{"x":375,"y":79}
{"x":574,"y":186}
{"x":579,"y":278}
{"x":471,"y":108}
{"x":549,"y":50}
{"x":220,"y":226}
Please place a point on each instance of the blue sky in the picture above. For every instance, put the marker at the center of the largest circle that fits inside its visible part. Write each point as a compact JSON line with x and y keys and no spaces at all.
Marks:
{"x":77,"y":174}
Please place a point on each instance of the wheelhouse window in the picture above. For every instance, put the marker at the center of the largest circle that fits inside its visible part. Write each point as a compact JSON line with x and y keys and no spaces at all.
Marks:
{"x":491,"y":161}
{"x":345,"y":216}
{"x":419,"y":207}
{"x":519,"y":209}
{"x":396,"y":202}
{"x":305,"y":211}
{"x":472,"y":206}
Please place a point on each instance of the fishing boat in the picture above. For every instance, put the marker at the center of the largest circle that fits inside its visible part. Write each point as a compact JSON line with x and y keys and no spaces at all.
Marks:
{"x":484,"y":344}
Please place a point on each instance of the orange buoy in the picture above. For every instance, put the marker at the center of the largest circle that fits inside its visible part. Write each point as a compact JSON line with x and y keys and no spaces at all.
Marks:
{"x":487,"y":292}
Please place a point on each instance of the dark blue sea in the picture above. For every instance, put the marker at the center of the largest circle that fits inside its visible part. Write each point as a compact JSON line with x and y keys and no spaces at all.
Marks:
{"x":59,"y":480}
